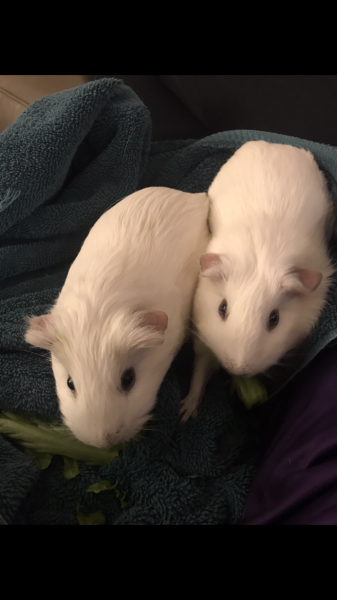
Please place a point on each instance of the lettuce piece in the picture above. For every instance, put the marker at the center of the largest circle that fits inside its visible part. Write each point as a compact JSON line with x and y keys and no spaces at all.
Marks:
{"x":70,"y":468}
{"x":250,"y":390}
{"x":96,"y":518}
{"x":41,"y":461}
{"x":101,"y":486}
{"x":50,"y":438}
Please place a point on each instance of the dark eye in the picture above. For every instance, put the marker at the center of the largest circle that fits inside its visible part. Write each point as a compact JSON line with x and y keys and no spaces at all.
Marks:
{"x":70,"y":384}
{"x":273,"y":319}
{"x":223,"y":309}
{"x":128,"y":380}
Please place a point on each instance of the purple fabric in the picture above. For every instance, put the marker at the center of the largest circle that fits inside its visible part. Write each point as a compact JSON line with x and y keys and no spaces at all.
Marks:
{"x":296,"y":483}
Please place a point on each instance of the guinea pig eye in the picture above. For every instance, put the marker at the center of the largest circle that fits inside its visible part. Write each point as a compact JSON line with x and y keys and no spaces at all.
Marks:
{"x":128,"y":380}
{"x":70,"y":384}
{"x":223,"y":309}
{"x":273,"y":319}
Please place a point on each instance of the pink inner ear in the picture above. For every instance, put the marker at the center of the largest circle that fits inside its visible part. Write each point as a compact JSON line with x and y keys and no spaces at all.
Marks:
{"x":40,"y":323}
{"x":40,"y":333}
{"x":156,"y":319}
{"x":302,"y":281}
{"x":209,"y":261}
{"x":309,"y":279}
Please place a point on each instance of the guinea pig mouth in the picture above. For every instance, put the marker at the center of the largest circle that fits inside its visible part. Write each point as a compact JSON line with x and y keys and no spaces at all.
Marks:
{"x":120,"y":437}
{"x":112,"y":440}
{"x":239,"y":371}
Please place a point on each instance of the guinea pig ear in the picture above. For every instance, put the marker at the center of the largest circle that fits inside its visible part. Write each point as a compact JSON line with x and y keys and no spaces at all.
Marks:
{"x":41,"y":332}
{"x":156,"y":319}
{"x":214,"y":266}
{"x":151,"y":329}
{"x":302,"y":281}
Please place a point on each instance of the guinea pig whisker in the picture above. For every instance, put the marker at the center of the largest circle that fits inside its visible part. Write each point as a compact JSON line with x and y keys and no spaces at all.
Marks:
{"x":195,"y":334}
{"x":150,"y":429}
{"x":35,"y":353}
{"x":148,"y":426}
{"x":268,"y":375}
{"x":330,"y":303}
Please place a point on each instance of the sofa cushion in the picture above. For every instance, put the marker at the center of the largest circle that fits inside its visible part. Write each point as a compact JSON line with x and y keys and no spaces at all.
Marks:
{"x":171,"y":120}
{"x":19,"y":91}
{"x":297,"y":105}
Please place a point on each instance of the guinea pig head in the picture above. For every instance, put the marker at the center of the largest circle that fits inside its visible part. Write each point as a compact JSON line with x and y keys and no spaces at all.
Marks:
{"x":250,"y":314}
{"x":107,"y":371}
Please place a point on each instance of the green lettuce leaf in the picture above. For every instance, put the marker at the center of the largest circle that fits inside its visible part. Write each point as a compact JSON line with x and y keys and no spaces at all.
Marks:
{"x":70,"y":468}
{"x":96,"y":518}
{"x":101,"y":486}
{"x":50,"y":438}
{"x":250,"y":390}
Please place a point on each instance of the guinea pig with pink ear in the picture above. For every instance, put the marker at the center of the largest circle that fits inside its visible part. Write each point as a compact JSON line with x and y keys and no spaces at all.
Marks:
{"x":123,"y":312}
{"x":265,"y":276}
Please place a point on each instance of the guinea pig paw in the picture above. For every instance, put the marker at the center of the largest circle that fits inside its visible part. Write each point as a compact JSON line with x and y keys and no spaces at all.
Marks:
{"x":189,"y":408}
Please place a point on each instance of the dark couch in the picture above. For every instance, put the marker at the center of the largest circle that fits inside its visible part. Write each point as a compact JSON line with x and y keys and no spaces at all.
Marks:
{"x":193,"y":106}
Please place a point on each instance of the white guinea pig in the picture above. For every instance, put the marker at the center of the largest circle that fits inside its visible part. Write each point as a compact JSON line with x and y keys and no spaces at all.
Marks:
{"x":123,"y":311}
{"x":265,"y":276}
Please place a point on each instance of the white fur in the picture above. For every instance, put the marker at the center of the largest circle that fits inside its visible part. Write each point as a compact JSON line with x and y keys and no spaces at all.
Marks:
{"x":269,"y":205}
{"x":141,"y":255}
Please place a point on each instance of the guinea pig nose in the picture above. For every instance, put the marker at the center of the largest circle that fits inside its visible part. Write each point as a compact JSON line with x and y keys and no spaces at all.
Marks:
{"x":238,"y":369}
